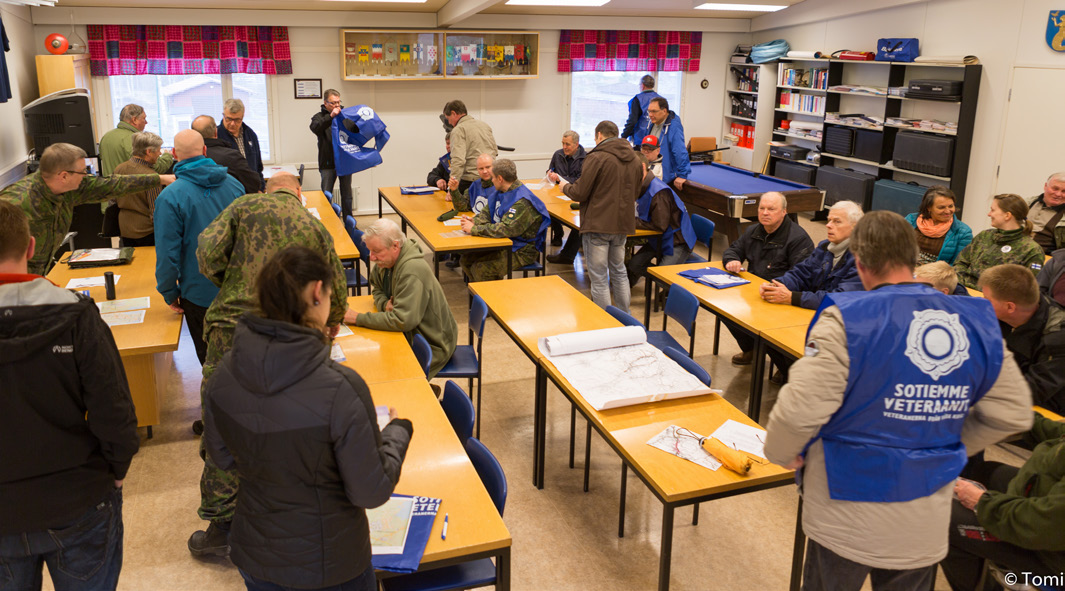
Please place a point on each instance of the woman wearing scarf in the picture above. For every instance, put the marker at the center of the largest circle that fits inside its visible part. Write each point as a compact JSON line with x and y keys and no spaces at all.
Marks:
{"x":940,"y":235}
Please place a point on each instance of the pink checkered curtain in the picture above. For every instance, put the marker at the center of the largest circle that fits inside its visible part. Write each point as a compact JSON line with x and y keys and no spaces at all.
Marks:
{"x":629,"y":51}
{"x":124,"y":50}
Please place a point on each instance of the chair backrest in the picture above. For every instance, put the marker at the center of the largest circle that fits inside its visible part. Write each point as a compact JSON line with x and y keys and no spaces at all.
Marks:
{"x":478,"y":317}
{"x":422,"y":352}
{"x":337,"y":210}
{"x":350,"y":226}
{"x":459,"y":410}
{"x":364,"y":252}
{"x":689,"y":364}
{"x":491,"y":473}
{"x":704,"y":232}
{"x":624,"y":317}
{"x":702,"y":144}
{"x":682,"y":306}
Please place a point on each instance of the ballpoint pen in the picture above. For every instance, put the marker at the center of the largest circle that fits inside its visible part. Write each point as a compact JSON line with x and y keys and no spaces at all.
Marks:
{"x":443,"y":533}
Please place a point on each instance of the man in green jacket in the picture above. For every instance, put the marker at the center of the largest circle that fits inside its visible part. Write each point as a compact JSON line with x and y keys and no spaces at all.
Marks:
{"x":407,"y":295}
{"x":48,"y":196}
{"x":116,"y":146}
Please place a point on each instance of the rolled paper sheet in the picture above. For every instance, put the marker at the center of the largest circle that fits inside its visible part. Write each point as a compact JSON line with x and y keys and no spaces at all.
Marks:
{"x":947,"y":59}
{"x":805,"y":54}
{"x":736,"y":461}
{"x":795,"y":124}
{"x":592,"y":340}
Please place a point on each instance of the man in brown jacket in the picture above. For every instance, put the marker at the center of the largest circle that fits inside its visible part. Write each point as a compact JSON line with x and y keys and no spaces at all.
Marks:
{"x":607,"y":190}
{"x":136,"y":211}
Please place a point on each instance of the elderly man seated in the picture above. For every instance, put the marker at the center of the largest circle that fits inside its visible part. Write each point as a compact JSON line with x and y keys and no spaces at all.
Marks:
{"x":514,"y":212}
{"x":407,"y":295}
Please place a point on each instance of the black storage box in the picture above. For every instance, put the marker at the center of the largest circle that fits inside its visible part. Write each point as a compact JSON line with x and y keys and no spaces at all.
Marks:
{"x":789,"y":152}
{"x":842,"y":184}
{"x":869,"y":145}
{"x":901,"y":198}
{"x":935,"y":88}
{"x":924,"y":152}
{"x":798,"y":173}
{"x":839,"y":140}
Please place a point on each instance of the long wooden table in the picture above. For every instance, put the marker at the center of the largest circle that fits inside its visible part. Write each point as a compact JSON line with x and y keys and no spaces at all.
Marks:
{"x":743,"y":306}
{"x":342,"y":242}
{"x":420,"y":213}
{"x":146,"y":348}
{"x":378,"y":355}
{"x":437,"y":466}
{"x":535,"y":307}
{"x":559,"y":206}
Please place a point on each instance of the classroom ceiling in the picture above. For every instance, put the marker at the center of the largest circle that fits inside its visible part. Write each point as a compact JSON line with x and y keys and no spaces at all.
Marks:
{"x":631,"y":8}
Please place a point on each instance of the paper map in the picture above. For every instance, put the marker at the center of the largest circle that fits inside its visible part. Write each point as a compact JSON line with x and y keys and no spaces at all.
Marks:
{"x":84,"y":282}
{"x":684,"y":446}
{"x":124,"y":305}
{"x":121,"y":318}
{"x":742,"y":437}
{"x":389,"y":524}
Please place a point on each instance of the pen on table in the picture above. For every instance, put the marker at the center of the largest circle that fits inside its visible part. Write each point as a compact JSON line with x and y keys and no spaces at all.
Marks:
{"x":443,"y":533}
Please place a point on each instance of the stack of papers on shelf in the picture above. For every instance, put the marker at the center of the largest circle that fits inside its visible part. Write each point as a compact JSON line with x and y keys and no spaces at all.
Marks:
{"x":868,"y":121}
{"x":854,"y":89}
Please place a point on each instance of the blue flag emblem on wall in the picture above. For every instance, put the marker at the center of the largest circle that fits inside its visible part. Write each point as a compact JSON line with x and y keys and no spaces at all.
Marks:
{"x":1056,"y":30}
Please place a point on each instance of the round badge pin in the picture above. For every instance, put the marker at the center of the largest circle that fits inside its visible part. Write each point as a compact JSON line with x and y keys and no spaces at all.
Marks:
{"x":1007,"y":248}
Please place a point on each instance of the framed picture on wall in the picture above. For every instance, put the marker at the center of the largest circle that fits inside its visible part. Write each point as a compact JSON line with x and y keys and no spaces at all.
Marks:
{"x":308,"y":88}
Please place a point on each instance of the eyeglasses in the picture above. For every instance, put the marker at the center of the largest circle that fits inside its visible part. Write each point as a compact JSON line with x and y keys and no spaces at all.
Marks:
{"x":335,"y":103}
{"x":654,"y":110}
{"x":233,"y":119}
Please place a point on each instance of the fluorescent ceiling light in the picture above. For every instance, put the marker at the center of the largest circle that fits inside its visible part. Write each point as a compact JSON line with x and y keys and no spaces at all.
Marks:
{"x":739,"y":7}
{"x":385,"y":1}
{"x":557,"y":2}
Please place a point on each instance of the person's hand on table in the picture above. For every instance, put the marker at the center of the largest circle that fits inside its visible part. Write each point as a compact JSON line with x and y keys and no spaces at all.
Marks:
{"x":467,"y":224}
{"x":553,"y":176}
{"x":441,"y":184}
{"x":679,"y":183}
{"x":350,"y":316}
{"x":166,"y":179}
{"x":176,"y":306}
{"x":734,"y":266}
{"x":388,"y":305}
{"x":968,"y":492}
{"x":775,"y":292}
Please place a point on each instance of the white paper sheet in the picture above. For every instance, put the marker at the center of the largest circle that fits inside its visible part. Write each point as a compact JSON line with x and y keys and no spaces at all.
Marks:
{"x":545,"y":183}
{"x":124,"y":305}
{"x":337,"y":354}
{"x":314,"y":212}
{"x":742,"y":437}
{"x":99,"y":254}
{"x":590,"y":340}
{"x":86,"y":282}
{"x":453,"y":222}
{"x":684,"y":446}
{"x":344,"y":331}
{"x":122,"y":318}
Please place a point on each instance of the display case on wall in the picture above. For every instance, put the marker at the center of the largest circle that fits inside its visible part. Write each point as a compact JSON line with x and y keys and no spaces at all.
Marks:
{"x":486,"y":54}
{"x":391,"y":55}
{"x":435,"y":55}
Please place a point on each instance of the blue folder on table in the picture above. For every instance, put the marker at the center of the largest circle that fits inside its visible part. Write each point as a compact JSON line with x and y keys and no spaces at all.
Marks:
{"x":422,"y":515}
{"x":418,"y":190}
{"x":716,"y":278}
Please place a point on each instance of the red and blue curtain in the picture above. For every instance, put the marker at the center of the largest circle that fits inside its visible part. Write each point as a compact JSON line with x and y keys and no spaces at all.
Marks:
{"x":629,"y":51}
{"x":124,"y":50}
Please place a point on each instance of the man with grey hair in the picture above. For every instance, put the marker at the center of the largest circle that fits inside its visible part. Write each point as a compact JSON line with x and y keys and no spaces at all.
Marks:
{"x":638,"y":124}
{"x":237,"y":135}
{"x":1045,"y":212}
{"x":223,"y":155}
{"x":828,"y":269}
{"x":48,"y":196}
{"x":136,"y":211}
{"x":322,"y":127}
{"x":566,"y":164}
{"x":116,"y":146}
{"x":408,"y":297}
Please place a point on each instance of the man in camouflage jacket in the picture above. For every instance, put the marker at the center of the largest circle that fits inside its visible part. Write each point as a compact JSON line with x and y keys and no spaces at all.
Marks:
{"x":232,"y":251}
{"x":48,"y":196}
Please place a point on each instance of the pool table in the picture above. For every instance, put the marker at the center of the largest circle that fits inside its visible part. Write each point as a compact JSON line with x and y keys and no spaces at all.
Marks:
{"x":730,"y":194}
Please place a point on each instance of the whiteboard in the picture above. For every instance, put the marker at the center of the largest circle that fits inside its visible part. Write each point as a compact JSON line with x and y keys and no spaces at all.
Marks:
{"x":1031,"y":146}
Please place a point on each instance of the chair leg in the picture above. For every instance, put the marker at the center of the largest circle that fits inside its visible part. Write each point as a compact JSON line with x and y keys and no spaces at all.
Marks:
{"x":695,"y":514}
{"x":478,"y":404}
{"x":587,"y":455}
{"x":717,"y":334}
{"x":572,"y":431}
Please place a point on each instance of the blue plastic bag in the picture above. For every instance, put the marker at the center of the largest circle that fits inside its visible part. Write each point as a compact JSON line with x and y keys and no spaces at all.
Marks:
{"x":769,"y":51}
{"x":897,"y":50}
{"x":353,"y":129}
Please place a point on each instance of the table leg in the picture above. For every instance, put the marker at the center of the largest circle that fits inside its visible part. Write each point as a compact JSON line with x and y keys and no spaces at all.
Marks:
{"x":542,"y":446}
{"x":754,"y":405}
{"x":358,"y":273}
{"x":647,"y":299}
{"x":510,"y":262}
{"x":536,"y":424}
{"x":621,"y":509}
{"x":380,"y":207}
{"x":572,"y":431}
{"x":798,"y":552}
{"x":436,"y":266}
{"x":503,"y":570}
{"x":667,"y":547}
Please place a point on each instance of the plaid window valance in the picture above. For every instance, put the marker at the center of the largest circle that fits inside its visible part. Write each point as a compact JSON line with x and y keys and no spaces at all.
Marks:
{"x":123,"y":50}
{"x":629,"y":51}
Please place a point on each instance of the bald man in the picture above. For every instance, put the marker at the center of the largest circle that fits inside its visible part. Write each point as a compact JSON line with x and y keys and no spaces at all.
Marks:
{"x":232,"y":252}
{"x":226,"y":156}
{"x":202,"y":190}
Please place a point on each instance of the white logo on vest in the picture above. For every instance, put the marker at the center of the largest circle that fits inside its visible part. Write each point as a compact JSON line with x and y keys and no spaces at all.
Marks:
{"x":366,"y":113}
{"x":937,"y":342}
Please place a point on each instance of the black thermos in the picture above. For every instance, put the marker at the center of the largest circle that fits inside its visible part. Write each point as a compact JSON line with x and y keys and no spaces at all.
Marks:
{"x":109,"y":284}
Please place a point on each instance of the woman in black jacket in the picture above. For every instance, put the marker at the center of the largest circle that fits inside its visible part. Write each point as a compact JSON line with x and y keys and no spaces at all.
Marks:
{"x":302,"y":433}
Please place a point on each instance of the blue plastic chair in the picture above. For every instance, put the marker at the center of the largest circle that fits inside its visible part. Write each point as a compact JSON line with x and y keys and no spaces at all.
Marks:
{"x":683,"y":307}
{"x":704,"y":233}
{"x":537,"y":267}
{"x":423,"y":353}
{"x":465,"y":362}
{"x":624,"y":317}
{"x":689,"y":364}
{"x":459,"y":410}
{"x":352,"y":272}
{"x":467,"y":575}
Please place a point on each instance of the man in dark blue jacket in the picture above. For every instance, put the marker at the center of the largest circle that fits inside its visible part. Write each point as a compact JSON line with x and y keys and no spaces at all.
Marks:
{"x":566,"y":164}
{"x":234,"y":132}
{"x":637,"y":124}
{"x":666,"y":126}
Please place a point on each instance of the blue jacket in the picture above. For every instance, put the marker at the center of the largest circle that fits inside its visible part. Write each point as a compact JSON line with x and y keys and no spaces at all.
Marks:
{"x":638,"y":123}
{"x":675,"y":163}
{"x":182,"y":211}
{"x":251,"y":149}
{"x":815,"y":276}
{"x":957,"y":238}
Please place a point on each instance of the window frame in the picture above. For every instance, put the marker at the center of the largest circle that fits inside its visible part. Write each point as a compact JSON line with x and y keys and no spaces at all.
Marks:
{"x":590,"y":139}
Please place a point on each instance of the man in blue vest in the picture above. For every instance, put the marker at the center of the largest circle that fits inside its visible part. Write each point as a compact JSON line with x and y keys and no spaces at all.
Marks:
{"x":514,"y":212}
{"x":637,"y":124}
{"x":441,"y":173}
{"x":659,"y":209}
{"x":666,"y":126}
{"x":877,"y":416}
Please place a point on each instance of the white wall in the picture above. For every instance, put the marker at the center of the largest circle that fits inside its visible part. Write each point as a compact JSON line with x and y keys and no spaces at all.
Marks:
{"x":1001,"y":34}
{"x":23,"y":74}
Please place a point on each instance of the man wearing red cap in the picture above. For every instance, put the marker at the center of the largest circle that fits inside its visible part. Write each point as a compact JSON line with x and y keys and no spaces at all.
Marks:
{"x":653,"y":151}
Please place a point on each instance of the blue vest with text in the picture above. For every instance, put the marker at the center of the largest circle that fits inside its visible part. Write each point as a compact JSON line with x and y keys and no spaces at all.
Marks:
{"x":479,"y":195}
{"x":643,"y":124}
{"x":643,"y":211}
{"x":353,"y":128}
{"x":445,"y":161}
{"x":500,"y":203}
{"x":918,"y":361}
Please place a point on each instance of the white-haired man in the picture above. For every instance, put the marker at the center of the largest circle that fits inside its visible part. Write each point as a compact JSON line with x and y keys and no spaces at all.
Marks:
{"x":1045,"y":212}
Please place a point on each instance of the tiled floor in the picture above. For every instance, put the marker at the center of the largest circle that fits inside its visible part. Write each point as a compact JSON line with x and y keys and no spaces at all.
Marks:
{"x":563,"y":538}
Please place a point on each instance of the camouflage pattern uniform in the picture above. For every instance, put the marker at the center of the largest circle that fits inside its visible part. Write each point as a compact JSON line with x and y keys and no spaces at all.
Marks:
{"x":231,"y":253}
{"x":461,"y":201}
{"x":997,"y":247}
{"x":50,"y":214}
{"x":522,"y":221}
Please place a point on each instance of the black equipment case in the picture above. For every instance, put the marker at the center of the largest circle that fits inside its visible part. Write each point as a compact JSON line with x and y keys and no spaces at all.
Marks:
{"x":869,"y":144}
{"x":839,"y":140}
{"x":901,"y":198}
{"x":924,"y":152}
{"x":789,"y":152}
{"x":842,"y":184}
{"x":794,"y":172}
{"x":944,"y":90}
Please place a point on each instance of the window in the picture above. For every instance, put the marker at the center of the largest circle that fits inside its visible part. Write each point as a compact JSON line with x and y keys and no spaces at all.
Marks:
{"x":172,"y":102}
{"x":595,"y":96}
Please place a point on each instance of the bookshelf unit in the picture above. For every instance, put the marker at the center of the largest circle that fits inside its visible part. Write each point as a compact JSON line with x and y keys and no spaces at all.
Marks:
{"x":819,"y":91}
{"x":746,"y":104}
